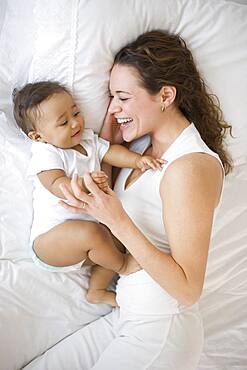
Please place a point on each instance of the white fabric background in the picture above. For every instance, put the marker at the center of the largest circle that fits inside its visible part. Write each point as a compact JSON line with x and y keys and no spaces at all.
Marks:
{"x":75,"y":41}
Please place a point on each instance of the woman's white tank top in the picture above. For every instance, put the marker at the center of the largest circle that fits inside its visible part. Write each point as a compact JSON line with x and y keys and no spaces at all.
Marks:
{"x":142,"y":202}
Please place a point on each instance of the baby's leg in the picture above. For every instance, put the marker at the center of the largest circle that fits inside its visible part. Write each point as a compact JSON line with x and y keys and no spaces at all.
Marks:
{"x":72,"y":241}
{"x":130,"y":264}
{"x":99,"y":281}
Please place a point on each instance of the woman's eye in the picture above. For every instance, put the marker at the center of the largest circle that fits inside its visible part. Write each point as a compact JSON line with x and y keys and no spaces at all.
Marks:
{"x":76,"y":113}
{"x":123,"y":99}
{"x":64,"y":123}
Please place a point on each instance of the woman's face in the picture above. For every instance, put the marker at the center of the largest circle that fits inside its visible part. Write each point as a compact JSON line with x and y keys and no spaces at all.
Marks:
{"x":134,"y":108}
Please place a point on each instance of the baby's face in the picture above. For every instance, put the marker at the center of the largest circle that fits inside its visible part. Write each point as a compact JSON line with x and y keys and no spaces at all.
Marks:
{"x":60,"y":122}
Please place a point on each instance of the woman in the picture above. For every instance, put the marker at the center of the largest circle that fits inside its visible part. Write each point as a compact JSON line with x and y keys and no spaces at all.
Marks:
{"x":164,"y":218}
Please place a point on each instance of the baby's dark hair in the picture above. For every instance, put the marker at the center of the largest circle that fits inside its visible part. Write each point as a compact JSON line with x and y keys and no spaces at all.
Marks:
{"x":27,"y":99}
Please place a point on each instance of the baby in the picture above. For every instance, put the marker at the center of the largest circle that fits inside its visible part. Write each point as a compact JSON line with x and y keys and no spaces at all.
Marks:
{"x":60,"y":240}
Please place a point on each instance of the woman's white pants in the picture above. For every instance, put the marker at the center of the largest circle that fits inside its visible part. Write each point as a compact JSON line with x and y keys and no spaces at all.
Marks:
{"x":127,"y":341}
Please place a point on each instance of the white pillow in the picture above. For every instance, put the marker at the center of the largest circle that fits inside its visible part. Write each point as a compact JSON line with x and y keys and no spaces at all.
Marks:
{"x":2,"y":14}
{"x":77,"y":44}
{"x":16,"y":46}
{"x":15,"y":191}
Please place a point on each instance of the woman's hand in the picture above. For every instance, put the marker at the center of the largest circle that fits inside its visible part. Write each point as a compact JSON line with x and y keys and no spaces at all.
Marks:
{"x":111,"y":129}
{"x":103,"y":206}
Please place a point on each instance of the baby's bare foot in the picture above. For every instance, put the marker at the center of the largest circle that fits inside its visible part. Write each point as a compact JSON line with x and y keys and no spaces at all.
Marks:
{"x":97,"y":296}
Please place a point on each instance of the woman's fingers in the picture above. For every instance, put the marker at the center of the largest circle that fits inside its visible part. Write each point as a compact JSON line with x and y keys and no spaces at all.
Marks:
{"x":72,"y":208}
{"x":77,"y":190}
{"x":75,"y":205}
{"x":78,"y":201}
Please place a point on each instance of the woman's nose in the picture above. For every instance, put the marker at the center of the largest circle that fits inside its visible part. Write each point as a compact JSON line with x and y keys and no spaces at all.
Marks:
{"x":114,"y":107}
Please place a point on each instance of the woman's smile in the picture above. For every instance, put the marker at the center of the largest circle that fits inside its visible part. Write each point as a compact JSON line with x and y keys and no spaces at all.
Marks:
{"x":124,"y":120}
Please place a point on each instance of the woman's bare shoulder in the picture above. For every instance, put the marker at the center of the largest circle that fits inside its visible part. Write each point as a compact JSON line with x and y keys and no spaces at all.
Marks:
{"x":196,"y":173}
{"x":194,"y":164}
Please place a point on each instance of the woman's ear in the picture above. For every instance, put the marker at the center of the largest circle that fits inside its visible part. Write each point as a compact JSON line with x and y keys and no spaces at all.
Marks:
{"x":167,"y":96}
{"x":34,"y":135}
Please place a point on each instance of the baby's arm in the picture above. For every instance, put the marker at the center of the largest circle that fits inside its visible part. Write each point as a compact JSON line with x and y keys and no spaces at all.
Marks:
{"x":120,"y":156}
{"x":52,"y":179}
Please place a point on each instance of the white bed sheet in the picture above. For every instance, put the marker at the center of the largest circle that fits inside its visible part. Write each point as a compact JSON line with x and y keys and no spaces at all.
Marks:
{"x":37,"y":308}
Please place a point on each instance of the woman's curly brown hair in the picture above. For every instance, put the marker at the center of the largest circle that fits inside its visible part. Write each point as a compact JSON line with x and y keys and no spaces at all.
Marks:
{"x":162,"y":59}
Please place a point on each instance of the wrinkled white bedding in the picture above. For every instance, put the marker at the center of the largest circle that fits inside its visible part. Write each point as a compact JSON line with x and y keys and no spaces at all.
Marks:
{"x":75,"y":43}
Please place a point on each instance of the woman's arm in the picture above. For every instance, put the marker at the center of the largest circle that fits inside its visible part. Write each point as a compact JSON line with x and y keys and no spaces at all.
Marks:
{"x":111,"y":131}
{"x":189,"y":191}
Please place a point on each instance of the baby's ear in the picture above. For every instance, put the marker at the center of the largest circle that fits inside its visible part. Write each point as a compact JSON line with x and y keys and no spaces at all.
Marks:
{"x":34,"y":135}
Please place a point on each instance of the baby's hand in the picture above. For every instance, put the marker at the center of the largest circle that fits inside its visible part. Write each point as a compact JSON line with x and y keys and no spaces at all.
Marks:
{"x":146,"y":162}
{"x":101,"y":180}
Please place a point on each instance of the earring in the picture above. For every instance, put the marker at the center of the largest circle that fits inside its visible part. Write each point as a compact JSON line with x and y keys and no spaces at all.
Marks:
{"x":163,"y":108}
